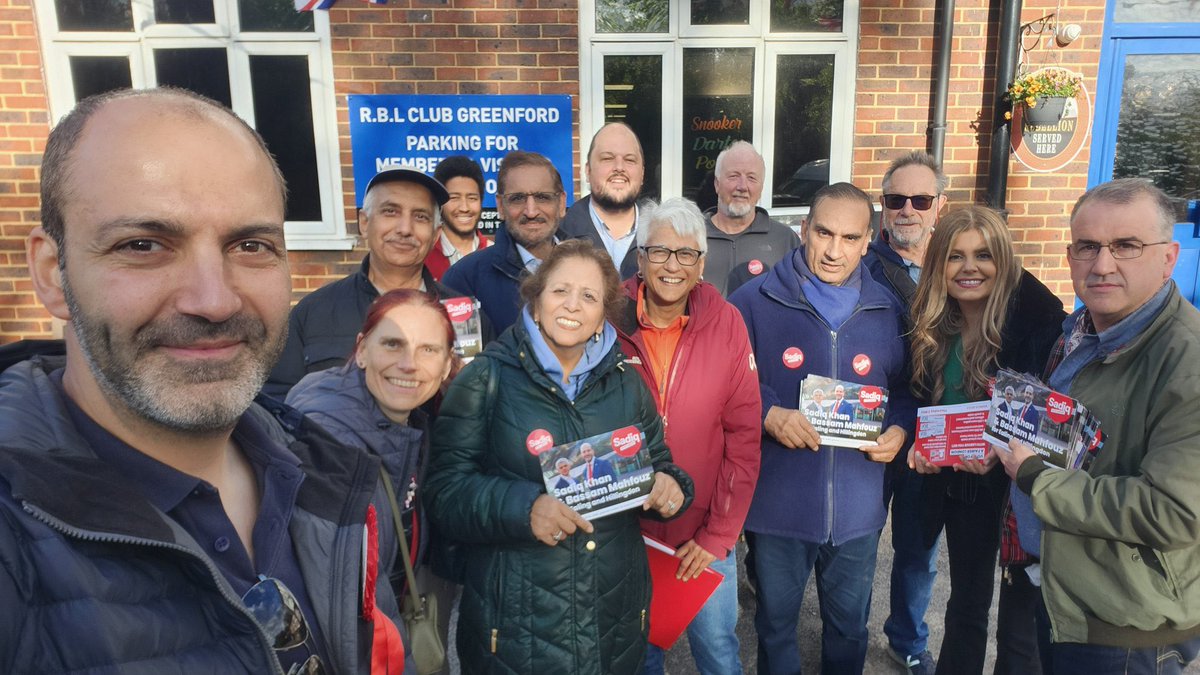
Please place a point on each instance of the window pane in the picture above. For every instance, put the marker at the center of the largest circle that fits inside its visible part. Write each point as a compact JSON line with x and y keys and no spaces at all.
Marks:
{"x":720,"y":12}
{"x":203,"y":70}
{"x":807,"y":16}
{"x":273,"y":15}
{"x":1142,"y":11}
{"x":283,"y":111}
{"x":803,"y":115}
{"x":633,"y":95}
{"x":97,"y":74}
{"x":184,"y":11}
{"x":632,"y":16}
{"x":1158,"y":135}
{"x":108,"y":15}
{"x":718,"y":108}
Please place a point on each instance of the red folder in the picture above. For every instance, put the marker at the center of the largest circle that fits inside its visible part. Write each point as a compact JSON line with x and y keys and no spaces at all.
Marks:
{"x":674,"y":603}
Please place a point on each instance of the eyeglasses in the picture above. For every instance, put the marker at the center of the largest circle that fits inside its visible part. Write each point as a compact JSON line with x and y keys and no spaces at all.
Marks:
{"x":540,"y":198}
{"x":660,"y":254}
{"x":919,"y":202}
{"x":1126,"y":249}
{"x":278,"y":613}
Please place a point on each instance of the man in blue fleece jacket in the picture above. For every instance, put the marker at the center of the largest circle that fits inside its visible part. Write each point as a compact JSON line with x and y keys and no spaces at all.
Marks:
{"x":820,"y":312}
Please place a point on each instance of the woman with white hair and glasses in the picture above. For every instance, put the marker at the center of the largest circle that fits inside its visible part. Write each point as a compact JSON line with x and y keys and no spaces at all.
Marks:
{"x":692,"y":349}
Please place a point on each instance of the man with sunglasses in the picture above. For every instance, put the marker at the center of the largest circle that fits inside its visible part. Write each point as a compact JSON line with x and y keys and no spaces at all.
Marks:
{"x":1120,"y":550}
{"x":531,"y":199}
{"x":913,"y":196}
{"x":914,"y":189}
{"x":743,"y":240}
{"x":155,"y":517}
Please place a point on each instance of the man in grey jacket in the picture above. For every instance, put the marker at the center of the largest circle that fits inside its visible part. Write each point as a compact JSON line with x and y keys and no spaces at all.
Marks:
{"x":152,"y":517}
{"x":743,"y":240}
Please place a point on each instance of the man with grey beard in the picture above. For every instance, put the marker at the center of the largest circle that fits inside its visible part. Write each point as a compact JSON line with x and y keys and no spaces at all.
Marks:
{"x":152,"y":515}
{"x":743,"y":240}
{"x":914,"y":188}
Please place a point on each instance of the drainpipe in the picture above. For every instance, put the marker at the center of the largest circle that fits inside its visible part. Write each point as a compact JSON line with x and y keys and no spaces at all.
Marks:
{"x":1006,"y":66}
{"x":937,"y":128}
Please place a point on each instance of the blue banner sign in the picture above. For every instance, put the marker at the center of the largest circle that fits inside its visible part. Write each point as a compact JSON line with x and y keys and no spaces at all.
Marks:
{"x":422,"y":130}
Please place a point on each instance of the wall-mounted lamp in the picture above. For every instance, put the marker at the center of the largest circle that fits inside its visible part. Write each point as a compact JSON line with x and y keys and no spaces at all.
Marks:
{"x":1066,"y":34}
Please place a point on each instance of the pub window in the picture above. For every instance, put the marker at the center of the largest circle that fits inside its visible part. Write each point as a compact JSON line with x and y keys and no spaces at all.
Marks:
{"x":262,"y":58}
{"x":692,"y":76}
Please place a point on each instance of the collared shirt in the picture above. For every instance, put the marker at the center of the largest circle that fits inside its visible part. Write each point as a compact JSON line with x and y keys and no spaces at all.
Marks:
{"x":1083,"y":345}
{"x":451,"y":251}
{"x":913,"y":269}
{"x":617,"y":248}
{"x":529,"y":260}
{"x":196,"y":505}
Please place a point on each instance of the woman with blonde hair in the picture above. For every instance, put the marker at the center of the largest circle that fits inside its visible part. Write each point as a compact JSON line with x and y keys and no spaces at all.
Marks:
{"x":975,"y":311}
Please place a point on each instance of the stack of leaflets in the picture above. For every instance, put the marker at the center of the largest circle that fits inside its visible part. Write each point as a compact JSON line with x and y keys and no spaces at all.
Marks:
{"x":846,"y":414}
{"x":951,"y":434}
{"x":598,"y":475}
{"x":1059,"y":428}
{"x":468,"y":333}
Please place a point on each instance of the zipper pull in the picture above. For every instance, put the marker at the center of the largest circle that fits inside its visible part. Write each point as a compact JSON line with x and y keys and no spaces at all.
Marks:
{"x":643,"y":621}
{"x":495,"y":633}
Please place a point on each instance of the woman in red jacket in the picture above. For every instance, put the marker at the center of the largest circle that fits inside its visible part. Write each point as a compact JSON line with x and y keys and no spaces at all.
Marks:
{"x":692,"y":349}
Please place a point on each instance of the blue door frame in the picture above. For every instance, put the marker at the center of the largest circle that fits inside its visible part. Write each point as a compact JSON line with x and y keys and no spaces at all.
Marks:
{"x":1121,"y":41}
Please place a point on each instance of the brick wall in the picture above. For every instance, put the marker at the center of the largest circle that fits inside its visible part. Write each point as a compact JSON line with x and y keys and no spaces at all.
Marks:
{"x":441,"y":47}
{"x":894,"y":101}
{"x":24,"y":123}
{"x":531,"y":47}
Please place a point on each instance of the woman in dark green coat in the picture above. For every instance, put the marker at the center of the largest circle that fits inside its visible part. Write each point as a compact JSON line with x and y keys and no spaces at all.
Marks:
{"x":544,"y":590}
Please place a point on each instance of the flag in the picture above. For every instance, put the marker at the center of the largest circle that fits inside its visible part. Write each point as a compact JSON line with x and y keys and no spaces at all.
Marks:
{"x":310,"y":5}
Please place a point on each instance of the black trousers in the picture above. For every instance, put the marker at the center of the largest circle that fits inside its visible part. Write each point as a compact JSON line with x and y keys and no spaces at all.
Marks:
{"x":1016,"y":625}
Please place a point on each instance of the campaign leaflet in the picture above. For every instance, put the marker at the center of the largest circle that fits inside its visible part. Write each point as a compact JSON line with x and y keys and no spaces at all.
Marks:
{"x":950,"y":434}
{"x":599,"y":475}
{"x":846,"y":414}
{"x":1059,"y":428}
{"x":468,"y":332}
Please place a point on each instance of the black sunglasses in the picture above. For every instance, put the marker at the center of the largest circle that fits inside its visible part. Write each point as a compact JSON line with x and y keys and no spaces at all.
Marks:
{"x":278,"y":612}
{"x":919,"y":202}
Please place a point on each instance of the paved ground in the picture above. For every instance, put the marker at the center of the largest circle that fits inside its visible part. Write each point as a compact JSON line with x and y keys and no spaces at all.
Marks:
{"x":679,"y":659}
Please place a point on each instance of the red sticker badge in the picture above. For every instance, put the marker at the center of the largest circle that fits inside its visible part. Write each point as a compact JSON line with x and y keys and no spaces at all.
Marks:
{"x":539,"y":441}
{"x":861,"y":364}
{"x":626,"y":441}
{"x":870,"y":397}
{"x":755,"y":267}
{"x":793,"y":358}
{"x":459,"y":309}
{"x":1059,"y":407}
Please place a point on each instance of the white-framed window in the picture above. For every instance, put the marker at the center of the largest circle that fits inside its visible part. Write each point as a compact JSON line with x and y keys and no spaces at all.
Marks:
{"x":691,"y":76}
{"x":266,"y":61}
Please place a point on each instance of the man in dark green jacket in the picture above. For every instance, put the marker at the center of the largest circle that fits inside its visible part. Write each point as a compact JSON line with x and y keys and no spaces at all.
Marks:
{"x":1120,"y":548}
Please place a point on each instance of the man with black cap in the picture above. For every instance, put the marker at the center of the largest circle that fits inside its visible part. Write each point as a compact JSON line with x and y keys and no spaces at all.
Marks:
{"x":400,"y":213}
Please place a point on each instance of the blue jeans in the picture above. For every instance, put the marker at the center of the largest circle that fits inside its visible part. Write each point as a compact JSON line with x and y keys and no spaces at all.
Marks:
{"x":712,"y":635}
{"x":914,"y":568}
{"x":1070,"y":658}
{"x":845,"y":574}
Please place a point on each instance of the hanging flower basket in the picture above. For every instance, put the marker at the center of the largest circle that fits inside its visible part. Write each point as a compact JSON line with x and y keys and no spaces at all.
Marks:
{"x":1046,"y":111}
{"x":1044,"y":94}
